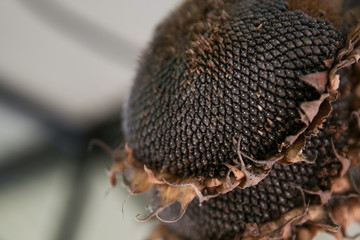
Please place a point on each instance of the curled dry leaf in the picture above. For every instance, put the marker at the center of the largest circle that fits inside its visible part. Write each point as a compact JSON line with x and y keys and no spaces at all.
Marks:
{"x":141,"y":179}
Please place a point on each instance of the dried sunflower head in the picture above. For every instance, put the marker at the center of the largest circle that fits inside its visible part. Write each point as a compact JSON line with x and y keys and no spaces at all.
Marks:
{"x":238,"y":103}
{"x":297,"y":199}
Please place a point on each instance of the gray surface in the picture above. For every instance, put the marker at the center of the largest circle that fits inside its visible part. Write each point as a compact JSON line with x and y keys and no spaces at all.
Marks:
{"x":18,"y":131}
{"x":81,"y":82}
{"x":31,"y":209}
{"x":58,"y":68}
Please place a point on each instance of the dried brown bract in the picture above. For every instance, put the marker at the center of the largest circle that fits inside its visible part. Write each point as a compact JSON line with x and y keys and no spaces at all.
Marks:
{"x":244,"y":117}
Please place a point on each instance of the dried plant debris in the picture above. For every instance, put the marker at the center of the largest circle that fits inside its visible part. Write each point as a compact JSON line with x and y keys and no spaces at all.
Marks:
{"x":244,"y":118}
{"x":296,"y":199}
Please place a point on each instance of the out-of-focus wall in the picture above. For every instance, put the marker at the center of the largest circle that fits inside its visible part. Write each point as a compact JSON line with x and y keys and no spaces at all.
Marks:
{"x":65,"y":67}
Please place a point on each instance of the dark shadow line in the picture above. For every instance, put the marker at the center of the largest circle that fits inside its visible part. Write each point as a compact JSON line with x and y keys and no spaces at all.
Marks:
{"x":79,"y":191}
{"x":39,"y":112}
{"x":84,"y":30}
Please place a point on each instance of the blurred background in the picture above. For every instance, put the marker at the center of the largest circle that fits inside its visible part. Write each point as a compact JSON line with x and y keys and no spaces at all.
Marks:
{"x":65,"y":69}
